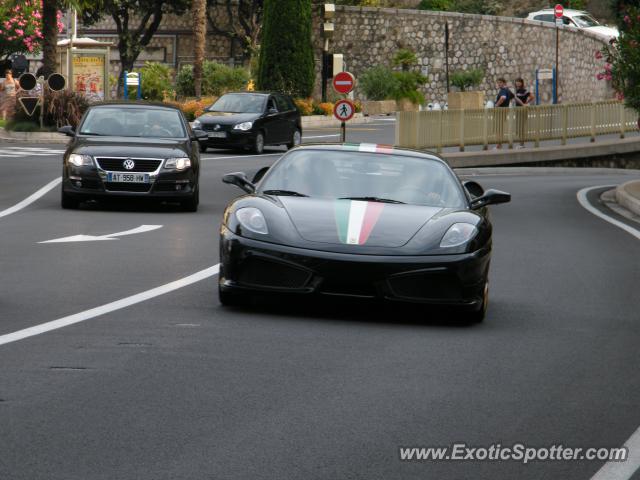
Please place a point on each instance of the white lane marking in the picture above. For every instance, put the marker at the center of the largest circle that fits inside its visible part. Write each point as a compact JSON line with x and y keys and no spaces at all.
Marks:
{"x":242,"y":156}
{"x":13,"y":152}
{"x":622,"y":470}
{"x":109,"y":307}
{"x":112,"y":236}
{"x":582,"y":199}
{"x":321,"y":136}
{"x":31,"y":198}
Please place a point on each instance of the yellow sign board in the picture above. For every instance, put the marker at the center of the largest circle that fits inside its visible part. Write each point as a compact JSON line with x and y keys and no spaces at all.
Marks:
{"x":89,"y":75}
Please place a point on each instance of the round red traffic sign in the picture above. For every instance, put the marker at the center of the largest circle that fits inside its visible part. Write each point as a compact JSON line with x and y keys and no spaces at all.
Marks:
{"x":558,"y":11}
{"x":344,"y":82}
{"x":344,"y":110}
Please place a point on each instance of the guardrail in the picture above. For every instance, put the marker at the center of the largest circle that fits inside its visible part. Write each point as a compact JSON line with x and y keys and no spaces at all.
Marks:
{"x":451,"y":128}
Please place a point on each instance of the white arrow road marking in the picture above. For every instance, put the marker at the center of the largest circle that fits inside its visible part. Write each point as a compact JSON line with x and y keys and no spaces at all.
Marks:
{"x":97,"y":238}
{"x":32,"y":198}
{"x":109,"y":307}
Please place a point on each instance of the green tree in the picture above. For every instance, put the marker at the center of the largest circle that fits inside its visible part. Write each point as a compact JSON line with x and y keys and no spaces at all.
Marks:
{"x":199,"y":11}
{"x":136,"y":21}
{"x":286,"y":52}
{"x":405,"y":58}
{"x":239,"y":21}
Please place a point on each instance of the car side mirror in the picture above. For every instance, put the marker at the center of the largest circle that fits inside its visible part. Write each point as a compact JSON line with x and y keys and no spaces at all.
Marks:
{"x":259,"y":174}
{"x":67,"y":130}
{"x":239,"y":179}
{"x":474,"y":188}
{"x":199,"y":134}
{"x":272,"y":111}
{"x":490,"y":197}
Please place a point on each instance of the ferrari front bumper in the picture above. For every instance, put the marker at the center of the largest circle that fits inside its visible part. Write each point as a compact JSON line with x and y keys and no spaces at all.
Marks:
{"x":248,"y":265}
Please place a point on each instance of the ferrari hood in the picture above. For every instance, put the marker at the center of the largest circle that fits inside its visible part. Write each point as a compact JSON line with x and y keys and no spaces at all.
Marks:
{"x":355,"y":222}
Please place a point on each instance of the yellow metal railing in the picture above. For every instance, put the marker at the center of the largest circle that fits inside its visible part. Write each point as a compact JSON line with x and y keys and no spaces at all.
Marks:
{"x":459,"y":128}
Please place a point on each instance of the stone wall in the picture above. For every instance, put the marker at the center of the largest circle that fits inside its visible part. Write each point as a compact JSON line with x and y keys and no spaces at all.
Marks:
{"x":501,"y":46}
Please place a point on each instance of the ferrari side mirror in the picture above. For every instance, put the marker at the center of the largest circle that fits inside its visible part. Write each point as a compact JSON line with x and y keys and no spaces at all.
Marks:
{"x":490,"y":197}
{"x":259,"y":174}
{"x":240,"y":180}
{"x":474,"y":188}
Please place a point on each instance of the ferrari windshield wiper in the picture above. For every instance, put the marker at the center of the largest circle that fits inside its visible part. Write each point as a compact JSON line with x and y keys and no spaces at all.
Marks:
{"x":289,"y":193}
{"x":372,"y":199}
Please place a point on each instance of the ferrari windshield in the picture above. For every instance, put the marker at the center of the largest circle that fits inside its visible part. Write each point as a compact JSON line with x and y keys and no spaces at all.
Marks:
{"x":239,"y":103}
{"x":133,"y":122}
{"x":389,"y":178}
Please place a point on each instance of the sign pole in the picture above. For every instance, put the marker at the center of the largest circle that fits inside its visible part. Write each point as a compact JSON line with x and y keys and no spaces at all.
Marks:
{"x":558,"y":12}
{"x":343,"y":132}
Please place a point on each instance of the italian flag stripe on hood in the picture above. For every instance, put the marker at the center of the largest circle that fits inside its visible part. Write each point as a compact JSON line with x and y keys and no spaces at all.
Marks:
{"x":356,"y":219}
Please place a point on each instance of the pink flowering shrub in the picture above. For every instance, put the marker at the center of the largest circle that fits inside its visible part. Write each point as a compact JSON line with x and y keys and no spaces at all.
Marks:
{"x":622,"y":59}
{"x":21,"y":27}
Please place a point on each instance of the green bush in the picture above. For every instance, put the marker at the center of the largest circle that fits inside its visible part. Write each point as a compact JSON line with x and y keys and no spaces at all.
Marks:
{"x":483,"y":7}
{"x":465,"y":79}
{"x":378,"y":83}
{"x":157,"y":82}
{"x":407,"y":84}
{"x":216,"y":79}
{"x":286,"y":52}
{"x":437,"y":5}
{"x":405,"y":58}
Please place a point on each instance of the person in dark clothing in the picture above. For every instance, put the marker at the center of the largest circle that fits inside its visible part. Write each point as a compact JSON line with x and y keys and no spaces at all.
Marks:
{"x":502,"y":101}
{"x":523,"y":97}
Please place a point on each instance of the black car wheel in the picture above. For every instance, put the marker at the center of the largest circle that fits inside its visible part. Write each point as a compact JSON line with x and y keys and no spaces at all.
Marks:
{"x":296,"y":139}
{"x":203,"y":147}
{"x":258,"y":143}
{"x":191,"y":205}
{"x":229,"y":299}
{"x":69,"y":202}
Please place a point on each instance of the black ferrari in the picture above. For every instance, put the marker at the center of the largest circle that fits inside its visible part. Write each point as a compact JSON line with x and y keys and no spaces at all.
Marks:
{"x":360,"y":220}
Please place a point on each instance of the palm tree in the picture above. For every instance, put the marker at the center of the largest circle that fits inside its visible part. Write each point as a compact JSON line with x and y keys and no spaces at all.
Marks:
{"x":199,"y":10}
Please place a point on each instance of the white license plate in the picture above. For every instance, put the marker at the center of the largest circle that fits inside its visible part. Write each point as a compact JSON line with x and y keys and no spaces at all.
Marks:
{"x":127,"y":177}
{"x":217,"y":134}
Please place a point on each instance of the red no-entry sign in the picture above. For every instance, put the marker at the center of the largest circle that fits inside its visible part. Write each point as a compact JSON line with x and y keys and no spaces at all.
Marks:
{"x":344,"y":82}
{"x":558,"y":11}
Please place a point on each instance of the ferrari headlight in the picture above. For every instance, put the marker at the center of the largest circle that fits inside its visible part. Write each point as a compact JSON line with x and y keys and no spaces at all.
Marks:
{"x":458,"y":234}
{"x":252,"y":219}
{"x":196,"y":124}
{"x":244,"y":126}
{"x":177,"y":163}
{"x":79,"y":160}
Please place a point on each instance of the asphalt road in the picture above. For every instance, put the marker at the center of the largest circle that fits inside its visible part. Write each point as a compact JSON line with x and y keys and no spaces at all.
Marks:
{"x":177,"y":387}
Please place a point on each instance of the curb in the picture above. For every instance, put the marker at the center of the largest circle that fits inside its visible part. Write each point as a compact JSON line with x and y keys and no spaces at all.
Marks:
{"x":628,"y":195}
{"x":506,"y":157}
{"x":32,"y":137}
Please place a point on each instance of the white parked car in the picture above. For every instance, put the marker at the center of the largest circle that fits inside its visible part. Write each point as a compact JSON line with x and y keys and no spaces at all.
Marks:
{"x":576,"y":19}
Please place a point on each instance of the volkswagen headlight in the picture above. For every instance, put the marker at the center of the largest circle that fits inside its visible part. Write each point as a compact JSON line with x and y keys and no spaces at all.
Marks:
{"x":252,"y":219}
{"x":177,"y":163}
{"x":79,"y":160}
{"x":458,"y":234}
{"x":244,"y":126}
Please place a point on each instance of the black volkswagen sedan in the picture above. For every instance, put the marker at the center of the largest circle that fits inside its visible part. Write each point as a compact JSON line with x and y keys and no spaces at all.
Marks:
{"x":359,"y":221}
{"x":132,"y":149}
{"x":251,"y":120}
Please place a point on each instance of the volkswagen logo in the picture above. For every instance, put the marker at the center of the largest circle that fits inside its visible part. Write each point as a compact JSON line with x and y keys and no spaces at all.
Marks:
{"x":129,"y":164}
{"x":216,"y":128}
